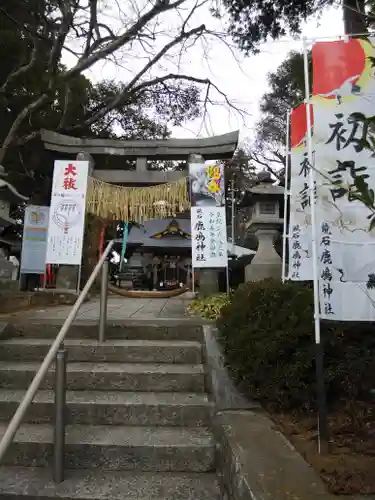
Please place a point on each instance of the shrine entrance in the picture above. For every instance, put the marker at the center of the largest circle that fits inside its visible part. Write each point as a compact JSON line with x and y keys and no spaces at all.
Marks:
{"x":147,"y":196}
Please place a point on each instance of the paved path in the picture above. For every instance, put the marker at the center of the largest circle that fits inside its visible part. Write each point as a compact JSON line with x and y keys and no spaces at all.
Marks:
{"x":120,"y":308}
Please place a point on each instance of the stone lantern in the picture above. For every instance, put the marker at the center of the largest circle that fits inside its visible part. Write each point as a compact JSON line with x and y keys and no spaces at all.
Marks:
{"x":265,"y":223}
{"x":8,"y":196}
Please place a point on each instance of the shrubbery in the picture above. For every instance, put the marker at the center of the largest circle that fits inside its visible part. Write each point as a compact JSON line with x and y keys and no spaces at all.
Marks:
{"x":208,"y":307}
{"x":267,"y":332}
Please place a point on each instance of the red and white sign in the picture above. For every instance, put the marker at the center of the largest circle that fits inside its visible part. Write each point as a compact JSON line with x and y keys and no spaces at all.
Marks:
{"x":343,"y":89}
{"x":67,"y":212}
{"x":300,"y":241}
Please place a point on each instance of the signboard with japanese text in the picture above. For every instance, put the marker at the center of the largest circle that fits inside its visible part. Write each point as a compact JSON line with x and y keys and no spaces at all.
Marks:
{"x":208,"y":218}
{"x":344,"y":84}
{"x":67,"y":212}
{"x":209,"y":237}
{"x":34,"y":240}
{"x":300,"y":240}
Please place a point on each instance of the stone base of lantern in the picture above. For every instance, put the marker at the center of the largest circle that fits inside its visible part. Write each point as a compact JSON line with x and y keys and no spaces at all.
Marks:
{"x":266,"y":262}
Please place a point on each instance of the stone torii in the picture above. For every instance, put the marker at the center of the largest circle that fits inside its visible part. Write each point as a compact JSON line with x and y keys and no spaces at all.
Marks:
{"x":219,"y":147}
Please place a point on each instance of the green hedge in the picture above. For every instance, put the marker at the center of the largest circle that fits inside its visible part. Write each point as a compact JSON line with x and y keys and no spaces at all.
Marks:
{"x":267,"y":333}
{"x":208,"y":307}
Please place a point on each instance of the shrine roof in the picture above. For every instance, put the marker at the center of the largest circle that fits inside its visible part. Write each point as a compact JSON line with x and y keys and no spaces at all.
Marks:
{"x":144,"y":235}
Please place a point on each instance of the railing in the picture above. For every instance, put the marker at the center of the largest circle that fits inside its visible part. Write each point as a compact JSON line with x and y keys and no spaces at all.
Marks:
{"x":60,"y":355}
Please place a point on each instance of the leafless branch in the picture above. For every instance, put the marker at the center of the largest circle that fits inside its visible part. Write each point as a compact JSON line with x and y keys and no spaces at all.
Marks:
{"x":36,"y":104}
{"x":67,"y":97}
{"x":131,"y":86}
{"x":55,"y":55}
{"x":78,"y":27}
{"x":262,"y":160}
{"x":24,"y":68}
{"x":86,"y":62}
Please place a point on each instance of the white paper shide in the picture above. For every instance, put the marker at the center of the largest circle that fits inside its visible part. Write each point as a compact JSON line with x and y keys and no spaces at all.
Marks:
{"x":67,"y":212}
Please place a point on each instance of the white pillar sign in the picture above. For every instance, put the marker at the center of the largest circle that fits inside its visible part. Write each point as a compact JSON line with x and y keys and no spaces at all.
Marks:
{"x":300,"y":241}
{"x":208,"y":220}
{"x":67,"y":212}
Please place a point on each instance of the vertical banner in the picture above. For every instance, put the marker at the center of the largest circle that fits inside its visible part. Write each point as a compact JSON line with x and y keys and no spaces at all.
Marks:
{"x":208,"y":219}
{"x":300,"y":240}
{"x":343,"y":99}
{"x":67,"y":212}
{"x":34,"y":240}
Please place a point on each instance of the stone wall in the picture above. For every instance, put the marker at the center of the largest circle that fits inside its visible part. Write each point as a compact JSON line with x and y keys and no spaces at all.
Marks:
{"x":14,"y":301}
{"x":255,"y":461}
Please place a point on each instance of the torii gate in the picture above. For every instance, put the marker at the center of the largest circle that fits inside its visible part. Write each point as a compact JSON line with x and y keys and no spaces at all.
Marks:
{"x":219,"y":147}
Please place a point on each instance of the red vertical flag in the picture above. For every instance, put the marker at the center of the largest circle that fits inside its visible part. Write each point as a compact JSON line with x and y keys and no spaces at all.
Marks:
{"x":298,"y":125}
{"x":337,"y":67}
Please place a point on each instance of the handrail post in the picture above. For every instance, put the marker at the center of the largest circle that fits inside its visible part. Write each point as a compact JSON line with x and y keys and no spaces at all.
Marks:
{"x":103,"y":301}
{"x":60,"y":412}
{"x":16,"y":420}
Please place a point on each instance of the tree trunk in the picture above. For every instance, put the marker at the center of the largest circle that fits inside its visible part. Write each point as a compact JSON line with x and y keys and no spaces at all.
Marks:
{"x":354,"y":17}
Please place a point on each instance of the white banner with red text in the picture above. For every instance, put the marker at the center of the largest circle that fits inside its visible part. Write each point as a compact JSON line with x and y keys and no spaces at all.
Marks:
{"x":67,"y":212}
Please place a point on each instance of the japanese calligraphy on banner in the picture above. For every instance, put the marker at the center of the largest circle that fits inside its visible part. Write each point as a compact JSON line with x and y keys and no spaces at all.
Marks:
{"x":67,"y":212}
{"x":300,"y":240}
{"x":208,"y":220}
{"x":34,"y":240}
{"x":343,"y":84}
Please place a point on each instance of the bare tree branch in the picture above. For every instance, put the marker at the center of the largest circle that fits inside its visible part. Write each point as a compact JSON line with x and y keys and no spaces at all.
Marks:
{"x":67,"y":99}
{"x":79,"y":27}
{"x":130,"y":87}
{"x":36,"y":104}
{"x":86,"y":62}
{"x":22,"y":69}
{"x":265,"y":162}
{"x":55,"y":55}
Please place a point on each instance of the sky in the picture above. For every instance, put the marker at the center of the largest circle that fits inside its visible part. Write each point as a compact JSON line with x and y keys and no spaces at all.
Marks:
{"x":242,"y":79}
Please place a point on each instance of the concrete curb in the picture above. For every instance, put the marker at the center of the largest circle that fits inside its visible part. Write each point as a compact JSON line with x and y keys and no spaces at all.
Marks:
{"x":255,"y":460}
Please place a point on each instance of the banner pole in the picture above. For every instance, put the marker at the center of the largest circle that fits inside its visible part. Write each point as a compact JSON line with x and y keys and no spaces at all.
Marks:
{"x":45,"y":277}
{"x":79,"y":278}
{"x":286,"y":191}
{"x":323,"y":431}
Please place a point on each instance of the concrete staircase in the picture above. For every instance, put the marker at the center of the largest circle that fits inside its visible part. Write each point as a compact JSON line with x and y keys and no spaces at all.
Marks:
{"x":138,"y":415}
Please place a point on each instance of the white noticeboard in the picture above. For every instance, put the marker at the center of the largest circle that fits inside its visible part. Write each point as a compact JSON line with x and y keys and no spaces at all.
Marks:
{"x":208,"y":219}
{"x":34,"y":240}
{"x":209,"y":242}
{"x":67,"y":212}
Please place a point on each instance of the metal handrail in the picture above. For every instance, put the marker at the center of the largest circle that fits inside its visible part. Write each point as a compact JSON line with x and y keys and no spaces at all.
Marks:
{"x":15,"y":423}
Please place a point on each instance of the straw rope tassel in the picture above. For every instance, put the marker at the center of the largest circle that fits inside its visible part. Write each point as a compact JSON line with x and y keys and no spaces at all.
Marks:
{"x":136,"y":204}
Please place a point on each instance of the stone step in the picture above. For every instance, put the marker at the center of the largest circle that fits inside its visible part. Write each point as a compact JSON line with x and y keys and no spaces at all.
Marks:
{"x":116,"y":350}
{"x":36,"y":483}
{"x":157,"y":449}
{"x":125,"y":329}
{"x":114,"y":408}
{"x":110,"y":376}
